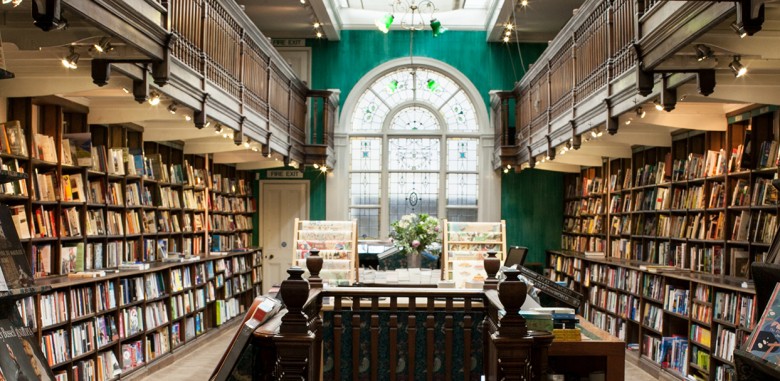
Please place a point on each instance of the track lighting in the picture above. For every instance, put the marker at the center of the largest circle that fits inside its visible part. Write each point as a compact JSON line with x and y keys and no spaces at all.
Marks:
{"x":506,"y":170}
{"x":72,"y":60}
{"x":154,"y":98}
{"x":126,"y":90}
{"x":324,"y":169}
{"x":524,"y":3}
{"x":316,"y":166}
{"x":187,"y":118}
{"x":640,"y":112}
{"x":739,"y":29}
{"x":316,"y":25}
{"x":737,"y":67}
{"x":218,"y":129}
{"x":247,"y":144}
{"x":172,"y":108}
{"x":703,"y":52}
{"x":506,"y":39}
{"x":658,"y":105}
{"x":628,"y":121}
{"x":509,"y":26}
{"x":103,"y":46}
{"x":319,"y":34}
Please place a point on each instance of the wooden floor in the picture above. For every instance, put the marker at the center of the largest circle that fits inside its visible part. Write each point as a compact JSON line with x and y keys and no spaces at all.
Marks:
{"x":197,"y":365}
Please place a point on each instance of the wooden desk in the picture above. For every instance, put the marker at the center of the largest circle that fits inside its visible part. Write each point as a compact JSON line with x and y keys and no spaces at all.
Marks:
{"x":598,"y":350}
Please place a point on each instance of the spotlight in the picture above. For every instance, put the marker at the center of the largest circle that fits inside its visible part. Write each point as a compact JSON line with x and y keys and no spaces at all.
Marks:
{"x":126,"y":90}
{"x":208,"y":123}
{"x":508,"y":166}
{"x":524,"y":3}
{"x":384,"y":23}
{"x":737,"y":67}
{"x":218,"y":129}
{"x":269,"y":154}
{"x":739,"y":29}
{"x":72,"y":60}
{"x":316,"y":166}
{"x":509,"y":26}
{"x":303,"y":1}
{"x":506,"y":170}
{"x":154,"y":98}
{"x":508,"y":32}
{"x":628,"y":121}
{"x":247,"y":144}
{"x":506,"y":38}
{"x":104,"y":45}
{"x":316,"y":25}
{"x":703,"y":52}
{"x":187,"y":118}
{"x":319,"y":34}
{"x":436,"y":28}
{"x":324,"y":169}
{"x":640,"y":112}
{"x":172,"y":108}
{"x":658,"y":105}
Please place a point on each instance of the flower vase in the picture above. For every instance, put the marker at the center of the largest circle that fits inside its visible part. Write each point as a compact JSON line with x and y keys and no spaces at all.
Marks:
{"x":414,"y":260}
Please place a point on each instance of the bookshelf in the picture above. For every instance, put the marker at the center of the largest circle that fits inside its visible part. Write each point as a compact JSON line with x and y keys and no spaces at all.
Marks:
{"x":99,"y":198}
{"x":465,"y":247}
{"x":685,"y":222}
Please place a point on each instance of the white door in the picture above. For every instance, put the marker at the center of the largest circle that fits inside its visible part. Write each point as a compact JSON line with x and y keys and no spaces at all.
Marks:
{"x":282,"y":202}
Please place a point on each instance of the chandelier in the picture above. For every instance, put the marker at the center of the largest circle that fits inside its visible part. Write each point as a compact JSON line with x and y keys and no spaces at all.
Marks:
{"x":411,"y":16}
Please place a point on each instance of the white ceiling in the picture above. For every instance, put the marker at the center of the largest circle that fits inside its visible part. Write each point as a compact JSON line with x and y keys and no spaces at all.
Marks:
{"x":539,"y":21}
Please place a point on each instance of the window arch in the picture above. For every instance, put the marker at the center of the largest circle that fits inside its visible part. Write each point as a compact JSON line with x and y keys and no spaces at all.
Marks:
{"x":414,"y":147}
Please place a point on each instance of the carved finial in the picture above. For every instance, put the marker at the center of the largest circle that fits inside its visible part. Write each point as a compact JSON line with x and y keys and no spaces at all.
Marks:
{"x":314,"y":265}
{"x":512,"y":293}
{"x":295,"y":293}
{"x":492,"y":265}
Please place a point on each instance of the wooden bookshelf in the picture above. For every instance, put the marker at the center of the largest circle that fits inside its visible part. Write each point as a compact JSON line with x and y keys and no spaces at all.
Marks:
{"x":142,"y":216}
{"x":703,"y":207}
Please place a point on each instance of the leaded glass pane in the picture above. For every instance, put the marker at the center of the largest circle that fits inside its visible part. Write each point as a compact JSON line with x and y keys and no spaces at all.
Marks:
{"x":413,"y":193}
{"x":413,"y":154}
{"x":459,"y":114}
{"x":367,"y":221}
{"x":366,"y":154}
{"x":414,"y":119}
{"x":462,"y":189}
{"x":369,"y":114}
{"x":461,"y":215}
{"x":364,"y":188}
{"x":402,"y":85}
{"x":462,"y":154}
{"x":395,"y":88}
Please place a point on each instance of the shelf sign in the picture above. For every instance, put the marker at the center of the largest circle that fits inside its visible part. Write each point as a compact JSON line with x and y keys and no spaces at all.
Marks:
{"x":284,"y":174}
{"x":288,"y":42}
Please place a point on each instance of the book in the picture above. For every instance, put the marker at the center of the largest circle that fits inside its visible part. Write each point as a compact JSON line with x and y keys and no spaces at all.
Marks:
{"x":15,"y":268}
{"x":21,"y":357}
{"x":764,"y":341}
{"x":81,"y":148}
{"x":17,"y":143}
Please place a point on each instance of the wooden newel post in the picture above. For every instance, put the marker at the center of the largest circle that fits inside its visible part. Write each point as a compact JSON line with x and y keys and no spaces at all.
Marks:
{"x":294,"y":341}
{"x":492,"y":266}
{"x":314,"y":265}
{"x":512,"y":293}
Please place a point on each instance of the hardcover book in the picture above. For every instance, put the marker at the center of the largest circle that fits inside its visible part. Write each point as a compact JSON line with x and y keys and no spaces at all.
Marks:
{"x":21,"y":358}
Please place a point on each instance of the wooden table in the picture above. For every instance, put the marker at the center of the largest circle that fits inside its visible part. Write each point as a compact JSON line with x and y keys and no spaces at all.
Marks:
{"x":598,"y":351}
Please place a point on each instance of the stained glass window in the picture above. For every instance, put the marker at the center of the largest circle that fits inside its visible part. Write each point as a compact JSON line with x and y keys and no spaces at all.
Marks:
{"x":414,"y":167}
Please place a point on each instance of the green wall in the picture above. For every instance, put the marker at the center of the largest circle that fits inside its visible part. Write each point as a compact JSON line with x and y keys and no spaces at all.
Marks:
{"x":340,"y":64}
{"x":532,"y":205}
{"x":532,"y":201}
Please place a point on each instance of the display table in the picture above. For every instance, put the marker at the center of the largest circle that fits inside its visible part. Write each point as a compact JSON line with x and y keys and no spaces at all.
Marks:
{"x":598,"y":351}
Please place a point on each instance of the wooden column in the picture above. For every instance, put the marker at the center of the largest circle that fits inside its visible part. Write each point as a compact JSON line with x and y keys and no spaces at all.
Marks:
{"x":295,"y":341}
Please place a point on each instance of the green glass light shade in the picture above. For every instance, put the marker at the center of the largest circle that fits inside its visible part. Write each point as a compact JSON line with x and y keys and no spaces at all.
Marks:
{"x":436,"y":28}
{"x":432,"y":85}
{"x":392,"y":86}
{"x":384,"y":22}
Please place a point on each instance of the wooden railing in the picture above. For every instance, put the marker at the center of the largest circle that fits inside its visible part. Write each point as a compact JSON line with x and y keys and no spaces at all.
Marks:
{"x":594,"y":48}
{"x":368,"y":331}
{"x":240,"y":68}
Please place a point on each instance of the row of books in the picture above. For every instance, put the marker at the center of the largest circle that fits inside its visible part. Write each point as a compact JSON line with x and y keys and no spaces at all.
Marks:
{"x":676,"y":299}
{"x":653,"y":317}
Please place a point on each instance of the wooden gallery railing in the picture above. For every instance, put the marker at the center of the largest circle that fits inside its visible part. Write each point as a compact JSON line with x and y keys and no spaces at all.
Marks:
{"x":593,"y":49}
{"x":230,"y":55}
{"x":323,"y":110}
{"x":400,"y":333}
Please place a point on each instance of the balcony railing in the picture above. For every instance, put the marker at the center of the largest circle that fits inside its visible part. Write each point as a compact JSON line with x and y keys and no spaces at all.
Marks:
{"x":405,"y":333}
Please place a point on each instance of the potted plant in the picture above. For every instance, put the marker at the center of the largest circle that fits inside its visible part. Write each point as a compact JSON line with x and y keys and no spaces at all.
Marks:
{"x":415,"y":233}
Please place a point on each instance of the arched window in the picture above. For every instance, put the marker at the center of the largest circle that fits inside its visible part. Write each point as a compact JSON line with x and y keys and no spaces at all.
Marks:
{"x":414,"y":148}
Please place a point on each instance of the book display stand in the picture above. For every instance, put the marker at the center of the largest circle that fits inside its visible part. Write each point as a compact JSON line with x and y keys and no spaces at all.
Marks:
{"x":20,"y":354}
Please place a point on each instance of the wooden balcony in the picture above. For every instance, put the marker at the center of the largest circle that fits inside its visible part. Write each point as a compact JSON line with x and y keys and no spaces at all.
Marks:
{"x":609,"y":59}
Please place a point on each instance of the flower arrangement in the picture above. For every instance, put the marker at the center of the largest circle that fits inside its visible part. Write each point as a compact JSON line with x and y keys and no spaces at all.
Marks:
{"x":415,"y":232}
